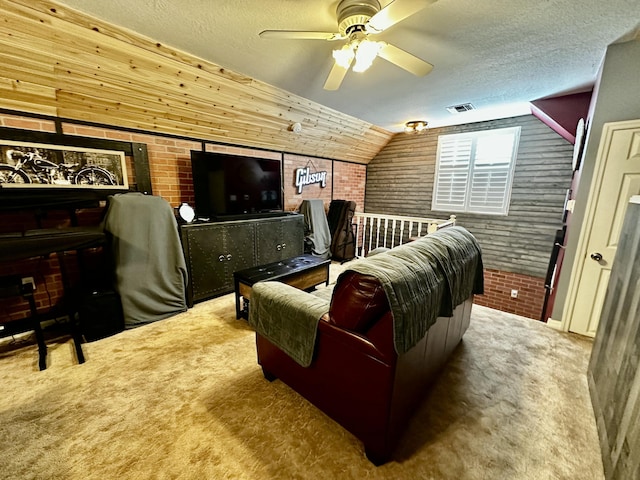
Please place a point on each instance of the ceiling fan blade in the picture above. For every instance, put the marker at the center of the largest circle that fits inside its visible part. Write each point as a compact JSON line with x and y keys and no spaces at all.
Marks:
{"x":300,"y":35}
{"x":399,"y":57}
{"x":336,"y":75}
{"x":395,"y":12}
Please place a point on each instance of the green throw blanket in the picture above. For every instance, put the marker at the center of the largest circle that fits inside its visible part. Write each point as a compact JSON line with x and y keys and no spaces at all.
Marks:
{"x":462,"y":264}
{"x":425,"y":279}
{"x":287,"y":317}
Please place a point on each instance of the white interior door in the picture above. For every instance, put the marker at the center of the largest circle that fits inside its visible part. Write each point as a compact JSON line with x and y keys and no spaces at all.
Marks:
{"x":616,"y":179}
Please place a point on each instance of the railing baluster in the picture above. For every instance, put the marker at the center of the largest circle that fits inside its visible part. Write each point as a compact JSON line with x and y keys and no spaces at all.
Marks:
{"x":386,"y":229}
{"x":393,"y":233}
{"x":357,"y":219}
{"x":370,"y":234}
{"x":377,"y":233}
{"x":401,"y":231}
{"x":364,"y":234}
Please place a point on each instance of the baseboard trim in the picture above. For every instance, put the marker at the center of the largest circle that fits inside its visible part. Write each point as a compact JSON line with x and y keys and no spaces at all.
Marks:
{"x":555,"y":324}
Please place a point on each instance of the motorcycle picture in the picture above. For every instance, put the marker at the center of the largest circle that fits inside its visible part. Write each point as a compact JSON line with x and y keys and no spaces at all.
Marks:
{"x":31,"y":167}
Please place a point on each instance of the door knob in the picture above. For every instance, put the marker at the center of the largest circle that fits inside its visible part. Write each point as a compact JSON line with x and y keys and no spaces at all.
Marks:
{"x":221,"y":258}
{"x":229,"y":257}
{"x":596,"y":256}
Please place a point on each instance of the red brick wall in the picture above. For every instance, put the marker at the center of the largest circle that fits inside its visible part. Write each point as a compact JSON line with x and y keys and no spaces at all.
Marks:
{"x":169,"y":160}
{"x":349,"y":183}
{"x":498,"y":286}
{"x":26,"y":123}
{"x":293,"y":199}
{"x":48,"y":286}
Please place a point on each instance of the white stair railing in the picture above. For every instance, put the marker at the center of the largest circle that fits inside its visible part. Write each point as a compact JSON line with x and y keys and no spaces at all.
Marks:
{"x":375,"y":230}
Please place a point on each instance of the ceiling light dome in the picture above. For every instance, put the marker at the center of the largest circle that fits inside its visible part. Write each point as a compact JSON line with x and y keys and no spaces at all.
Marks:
{"x":415,"y":126}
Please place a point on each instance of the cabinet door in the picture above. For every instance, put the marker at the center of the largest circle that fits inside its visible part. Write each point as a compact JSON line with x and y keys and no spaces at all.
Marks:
{"x":207,"y":275}
{"x":279,"y":238}
{"x":292,"y":236}
{"x":239,"y":240}
{"x":268,"y":241}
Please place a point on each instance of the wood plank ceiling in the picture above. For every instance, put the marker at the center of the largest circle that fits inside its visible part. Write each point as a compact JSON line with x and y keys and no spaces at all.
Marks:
{"x":56,"y":61}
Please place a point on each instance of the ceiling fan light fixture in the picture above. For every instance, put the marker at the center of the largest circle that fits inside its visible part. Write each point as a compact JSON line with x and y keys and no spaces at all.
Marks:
{"x":357,"y":19}
{"x":415,"y":126}
{"x":344,"y":56}
{"x":366,"y":52}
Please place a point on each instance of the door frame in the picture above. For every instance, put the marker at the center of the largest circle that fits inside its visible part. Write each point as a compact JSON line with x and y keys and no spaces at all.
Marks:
{"x":606,"y":138}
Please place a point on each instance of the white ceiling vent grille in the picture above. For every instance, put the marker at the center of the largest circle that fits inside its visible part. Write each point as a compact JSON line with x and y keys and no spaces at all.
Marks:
{"x":464,"y":107}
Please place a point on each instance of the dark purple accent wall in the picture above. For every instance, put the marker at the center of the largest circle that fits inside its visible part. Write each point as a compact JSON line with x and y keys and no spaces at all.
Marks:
{"x":562,"y":113}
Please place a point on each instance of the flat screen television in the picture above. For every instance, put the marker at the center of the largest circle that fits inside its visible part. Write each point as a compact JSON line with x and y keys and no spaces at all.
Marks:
{"x":233,"y":185}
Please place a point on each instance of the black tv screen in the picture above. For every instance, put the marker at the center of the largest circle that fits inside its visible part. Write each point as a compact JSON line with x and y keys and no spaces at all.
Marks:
{"x":234,"y":185}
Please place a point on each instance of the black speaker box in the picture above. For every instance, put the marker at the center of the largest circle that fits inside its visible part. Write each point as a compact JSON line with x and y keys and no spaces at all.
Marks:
{"x":100,"y":314}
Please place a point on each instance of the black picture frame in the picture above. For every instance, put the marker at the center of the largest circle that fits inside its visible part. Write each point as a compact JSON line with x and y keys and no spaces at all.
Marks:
{"x":39,"y":165}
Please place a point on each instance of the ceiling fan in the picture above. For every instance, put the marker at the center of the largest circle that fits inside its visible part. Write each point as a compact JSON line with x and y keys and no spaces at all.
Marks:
{"x":357,"y":20}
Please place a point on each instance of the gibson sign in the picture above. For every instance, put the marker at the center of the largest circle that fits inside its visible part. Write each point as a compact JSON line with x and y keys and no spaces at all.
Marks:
{"x":304,"y":177}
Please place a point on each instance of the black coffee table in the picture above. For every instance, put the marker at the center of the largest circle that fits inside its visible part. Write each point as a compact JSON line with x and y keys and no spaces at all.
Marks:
{"x":303,"y":272}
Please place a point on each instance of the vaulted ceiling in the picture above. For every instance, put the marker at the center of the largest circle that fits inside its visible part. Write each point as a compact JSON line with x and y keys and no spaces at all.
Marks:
{"x":497,"y":54}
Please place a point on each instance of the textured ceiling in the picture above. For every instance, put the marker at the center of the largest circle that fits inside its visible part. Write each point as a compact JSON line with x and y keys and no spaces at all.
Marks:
{"x":495,"y":54}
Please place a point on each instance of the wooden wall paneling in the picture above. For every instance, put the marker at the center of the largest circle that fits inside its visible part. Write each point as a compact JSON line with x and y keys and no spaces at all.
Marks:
{"x":89,"y":70}
{"x":400,"y":181}
{"x":37,"y":70}
{"x":26,"y":97}
{"x":110,"y":69}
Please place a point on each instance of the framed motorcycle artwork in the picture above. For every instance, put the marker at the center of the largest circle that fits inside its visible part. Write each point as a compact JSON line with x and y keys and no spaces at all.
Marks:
{"x":34,"y":165}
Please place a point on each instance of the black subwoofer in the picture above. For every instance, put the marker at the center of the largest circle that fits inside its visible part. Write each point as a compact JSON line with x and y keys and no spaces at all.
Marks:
{"x":100,"y":314}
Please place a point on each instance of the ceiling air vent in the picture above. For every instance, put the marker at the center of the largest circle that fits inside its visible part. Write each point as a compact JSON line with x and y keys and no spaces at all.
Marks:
{"x":464,"y":107}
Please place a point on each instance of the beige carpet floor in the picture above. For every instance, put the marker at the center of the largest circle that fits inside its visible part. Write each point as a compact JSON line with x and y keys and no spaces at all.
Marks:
{"x":184,"y":398}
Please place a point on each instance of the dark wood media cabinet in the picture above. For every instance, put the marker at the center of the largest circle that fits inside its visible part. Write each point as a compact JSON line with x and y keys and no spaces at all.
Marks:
{"x":214,"y":250}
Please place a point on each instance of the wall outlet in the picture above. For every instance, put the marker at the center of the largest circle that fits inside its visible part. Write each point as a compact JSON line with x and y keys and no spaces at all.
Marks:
{"x":514,"y":293}
{"x":27,"y":280}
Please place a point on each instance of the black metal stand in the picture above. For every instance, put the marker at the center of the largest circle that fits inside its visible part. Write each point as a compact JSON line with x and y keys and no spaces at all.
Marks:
{"x":37,"y":328}
{"x":34,"y":243}
{"x":71,"y":309}
{"x":11,"y":286}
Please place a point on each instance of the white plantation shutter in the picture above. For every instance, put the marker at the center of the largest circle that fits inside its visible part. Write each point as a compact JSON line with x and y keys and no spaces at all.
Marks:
{"x":452,"y":176}
{"x":474,"y":171}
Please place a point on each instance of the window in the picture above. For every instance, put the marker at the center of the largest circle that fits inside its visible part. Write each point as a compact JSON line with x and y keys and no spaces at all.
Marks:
{"x":474,"y":171}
